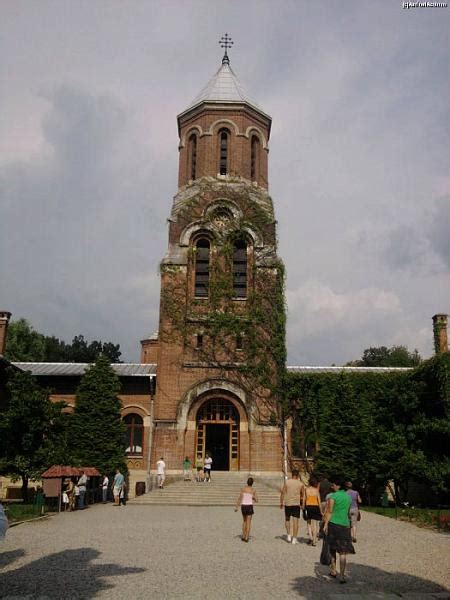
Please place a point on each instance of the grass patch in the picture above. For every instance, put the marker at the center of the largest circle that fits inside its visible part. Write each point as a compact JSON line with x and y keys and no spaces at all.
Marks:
{"x":22,"y":512}
{"x":423,"y":517}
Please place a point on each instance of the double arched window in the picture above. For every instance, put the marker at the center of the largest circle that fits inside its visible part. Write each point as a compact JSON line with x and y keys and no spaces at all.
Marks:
{"x":240,"y":269}
{"x":224,"y":143}
{"x":254,"y":158}
{"x":192,"y":153}
{"x":202,"y":252}
{"x":134,"y":434}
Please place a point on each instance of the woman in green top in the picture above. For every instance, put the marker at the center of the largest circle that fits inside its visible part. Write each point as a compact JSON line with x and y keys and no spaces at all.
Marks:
{"x":337,"y":527}
{"x":187,"y":469}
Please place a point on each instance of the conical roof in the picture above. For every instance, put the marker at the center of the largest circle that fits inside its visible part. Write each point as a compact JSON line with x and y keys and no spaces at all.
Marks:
{"x":224,"y":87}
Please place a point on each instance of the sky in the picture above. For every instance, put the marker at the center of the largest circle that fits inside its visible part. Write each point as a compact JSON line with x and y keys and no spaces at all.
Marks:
{"x":358,"y":166}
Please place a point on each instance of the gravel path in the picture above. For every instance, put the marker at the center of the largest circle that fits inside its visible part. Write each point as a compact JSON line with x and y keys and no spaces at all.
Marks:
{"x":192,"y":552}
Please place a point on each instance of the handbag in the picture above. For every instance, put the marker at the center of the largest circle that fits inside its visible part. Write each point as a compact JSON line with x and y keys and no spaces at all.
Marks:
{"x":305,"y":514}
{"x":359,"y":516}
{"x":325,"y":556}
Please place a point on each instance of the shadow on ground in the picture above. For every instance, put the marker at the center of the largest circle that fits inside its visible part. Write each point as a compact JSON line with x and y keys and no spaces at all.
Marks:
{"x":362,"y":579}
{"x":11,"y":556}
{"x":67,"y":574}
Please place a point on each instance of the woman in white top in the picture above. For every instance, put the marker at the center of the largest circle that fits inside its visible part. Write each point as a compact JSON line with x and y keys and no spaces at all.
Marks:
{"x":246,"y":499}
{"x":207,"y":468}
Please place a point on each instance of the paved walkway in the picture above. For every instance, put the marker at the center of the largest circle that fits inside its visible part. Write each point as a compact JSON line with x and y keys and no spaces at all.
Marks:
{"x":175,"y":552}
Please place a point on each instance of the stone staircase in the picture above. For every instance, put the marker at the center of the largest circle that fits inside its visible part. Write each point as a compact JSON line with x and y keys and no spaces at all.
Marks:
{"x":222,"y":491}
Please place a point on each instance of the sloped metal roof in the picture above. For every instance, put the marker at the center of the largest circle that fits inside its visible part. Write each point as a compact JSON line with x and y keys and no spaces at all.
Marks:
{"x":74,"y":369}
{"x":224,"y":87}
{"x":304,"y":369}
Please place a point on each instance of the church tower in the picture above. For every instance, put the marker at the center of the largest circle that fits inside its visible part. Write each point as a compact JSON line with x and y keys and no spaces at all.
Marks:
{"x":220,"y":348}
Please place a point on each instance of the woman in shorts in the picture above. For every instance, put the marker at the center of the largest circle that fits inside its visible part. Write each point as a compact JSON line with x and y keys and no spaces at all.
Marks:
{"x":247,"y":498}
{"x":313,"y":510}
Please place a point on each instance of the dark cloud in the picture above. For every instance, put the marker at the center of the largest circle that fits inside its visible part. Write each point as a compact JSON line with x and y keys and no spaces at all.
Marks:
{"x":358,"y":96}
{"x":439,"y":231}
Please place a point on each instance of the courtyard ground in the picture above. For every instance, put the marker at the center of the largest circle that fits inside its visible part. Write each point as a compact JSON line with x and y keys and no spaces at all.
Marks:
{"x":195,"y":552}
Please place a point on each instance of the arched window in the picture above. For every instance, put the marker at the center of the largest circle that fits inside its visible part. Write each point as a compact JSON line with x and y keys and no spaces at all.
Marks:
{"x":193,"y":156}
{"x":240,"y":269}
{"x":224,"y":140}
{"x":202,"y":268}
{"x":134,"y":435}
{"x":254,"y":162}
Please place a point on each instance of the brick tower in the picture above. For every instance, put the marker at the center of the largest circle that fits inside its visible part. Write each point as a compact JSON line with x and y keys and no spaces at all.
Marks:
{"x":220,"y":346}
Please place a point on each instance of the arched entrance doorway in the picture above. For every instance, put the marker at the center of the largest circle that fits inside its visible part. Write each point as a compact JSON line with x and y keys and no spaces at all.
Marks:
{"x":217,"y":432}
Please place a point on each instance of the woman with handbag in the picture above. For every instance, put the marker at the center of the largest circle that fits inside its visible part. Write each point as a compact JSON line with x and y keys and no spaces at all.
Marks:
{"x":337,"y":527}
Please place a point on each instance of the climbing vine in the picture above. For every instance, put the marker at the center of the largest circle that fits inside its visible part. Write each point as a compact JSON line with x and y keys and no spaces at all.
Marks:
{"x":243,"y":341}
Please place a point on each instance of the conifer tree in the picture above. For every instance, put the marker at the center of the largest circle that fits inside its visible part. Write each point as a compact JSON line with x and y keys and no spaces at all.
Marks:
{"x":97,"y":431}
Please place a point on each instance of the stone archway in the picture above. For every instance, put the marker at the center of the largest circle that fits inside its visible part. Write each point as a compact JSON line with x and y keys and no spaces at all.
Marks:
{"x":217,"y":422}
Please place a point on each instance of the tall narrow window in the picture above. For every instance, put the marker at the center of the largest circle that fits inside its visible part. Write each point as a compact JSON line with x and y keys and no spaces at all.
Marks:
{"x":134,"y":434}
{"x":240,"y":269}
{"x":254,"y":162}
{"x":193,"y":156}
{"x":202,"y":268}
{"x":224,"y":137}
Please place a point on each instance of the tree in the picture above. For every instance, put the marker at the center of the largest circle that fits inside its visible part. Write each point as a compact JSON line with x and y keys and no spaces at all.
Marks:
{"x":32,"y":430}
{"x":97,"y":431}
{"x":382,"y":356}
{"x":82,"y":351}
{"x":25,"y":344}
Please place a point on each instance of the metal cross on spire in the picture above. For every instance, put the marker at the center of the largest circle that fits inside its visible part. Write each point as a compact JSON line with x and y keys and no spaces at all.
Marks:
{"x":226,"y":42}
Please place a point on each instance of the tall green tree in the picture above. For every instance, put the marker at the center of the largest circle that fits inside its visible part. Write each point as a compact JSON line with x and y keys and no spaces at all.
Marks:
{"x":97,"y":431}
{"x":25,"y":344}
{"x":32,"y":430}
{"x":382,"y":356}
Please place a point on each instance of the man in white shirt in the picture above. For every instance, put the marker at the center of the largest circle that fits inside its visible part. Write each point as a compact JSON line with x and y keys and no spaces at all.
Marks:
{"x":161,"y":472}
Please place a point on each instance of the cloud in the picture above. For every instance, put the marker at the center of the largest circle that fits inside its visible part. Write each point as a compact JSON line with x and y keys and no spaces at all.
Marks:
{"x":332,"y":325}
{"x":439,"y":230}
{"x":78,"y":225}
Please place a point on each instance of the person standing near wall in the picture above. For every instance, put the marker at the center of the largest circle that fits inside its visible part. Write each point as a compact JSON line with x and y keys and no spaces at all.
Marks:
{"x":117,"y":486}
{"x":82,"y":483}
{"x":161,"y":472}
{"x":207,"y":468}
{"x":105,"y":484}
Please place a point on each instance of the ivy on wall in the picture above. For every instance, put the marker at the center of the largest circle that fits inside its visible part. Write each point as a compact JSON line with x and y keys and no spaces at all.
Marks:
{"x":376,"y":427}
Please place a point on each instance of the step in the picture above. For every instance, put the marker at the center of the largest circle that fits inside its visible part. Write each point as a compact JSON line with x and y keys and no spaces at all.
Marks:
{"x":222,"y":491}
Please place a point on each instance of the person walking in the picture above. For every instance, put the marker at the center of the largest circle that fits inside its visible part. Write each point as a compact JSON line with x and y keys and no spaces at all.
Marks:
{"x":82,"y":483}
{"x":105,"y":484}
{"x":117,"y":486}
{"x":337,"y":527}
{"x":207,"y":468}
{"x":187,"y":469}
{"x":3,"y":523}
{"x":313,"y":510}
{"x":161,"y":472}
{"x":247,"y":497}
{"x":123,"y":494}
{"x":291,"y":499}
{"x":354,"y":508}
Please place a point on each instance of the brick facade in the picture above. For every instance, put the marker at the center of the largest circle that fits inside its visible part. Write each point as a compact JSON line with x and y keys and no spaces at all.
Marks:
{"x":185,"y":379}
